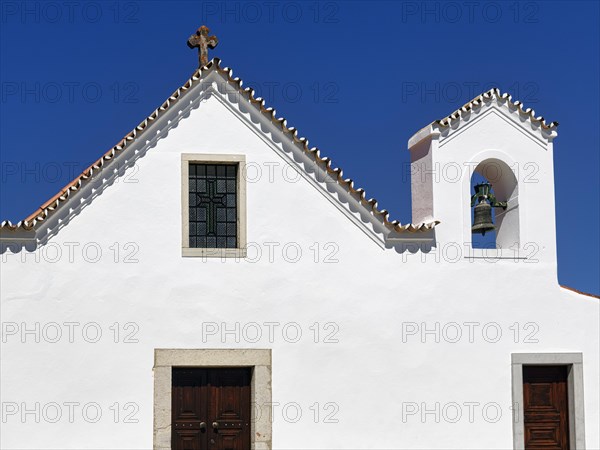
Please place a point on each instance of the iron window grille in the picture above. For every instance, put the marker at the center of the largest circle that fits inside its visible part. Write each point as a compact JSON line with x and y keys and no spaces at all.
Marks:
{"x":213,"y":210}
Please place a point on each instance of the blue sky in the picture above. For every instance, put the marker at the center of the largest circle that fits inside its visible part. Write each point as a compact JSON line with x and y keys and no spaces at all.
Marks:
{"x":356,"y":78}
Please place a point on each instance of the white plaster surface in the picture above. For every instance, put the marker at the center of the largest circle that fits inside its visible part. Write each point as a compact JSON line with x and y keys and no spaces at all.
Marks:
{"x":369,"y":297}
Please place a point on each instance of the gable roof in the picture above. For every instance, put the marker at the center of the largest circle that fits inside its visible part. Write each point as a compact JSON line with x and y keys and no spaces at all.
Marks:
{"x":62,"y":197}
{"x":492,"y":94}
{"x":453,"y":120}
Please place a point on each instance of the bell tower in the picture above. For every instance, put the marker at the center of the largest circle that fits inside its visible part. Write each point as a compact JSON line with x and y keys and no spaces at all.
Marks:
{"x":490,"y":155}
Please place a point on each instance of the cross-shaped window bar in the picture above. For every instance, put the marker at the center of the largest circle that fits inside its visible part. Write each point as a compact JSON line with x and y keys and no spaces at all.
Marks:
{"x":213,"y":205}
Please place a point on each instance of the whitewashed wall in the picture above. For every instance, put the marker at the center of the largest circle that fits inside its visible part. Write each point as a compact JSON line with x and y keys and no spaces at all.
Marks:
{"x":374,"y":297}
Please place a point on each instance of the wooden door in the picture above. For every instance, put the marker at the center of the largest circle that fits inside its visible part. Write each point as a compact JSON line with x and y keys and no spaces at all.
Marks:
{"x":211,"y":409}
{"x":546,"y":407}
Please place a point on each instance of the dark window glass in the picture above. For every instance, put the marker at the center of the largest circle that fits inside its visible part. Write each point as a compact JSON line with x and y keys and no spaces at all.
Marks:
{"x":213,"y":205}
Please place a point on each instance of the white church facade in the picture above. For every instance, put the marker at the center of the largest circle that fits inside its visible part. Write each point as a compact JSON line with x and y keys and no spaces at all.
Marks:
{"x":213,"y":282}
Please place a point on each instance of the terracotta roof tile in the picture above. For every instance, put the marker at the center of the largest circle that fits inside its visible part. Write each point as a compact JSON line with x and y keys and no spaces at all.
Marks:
{"x":495,"y":93}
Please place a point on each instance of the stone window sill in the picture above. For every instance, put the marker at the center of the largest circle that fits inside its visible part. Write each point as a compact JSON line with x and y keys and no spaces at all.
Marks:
{"x":214,"y":252}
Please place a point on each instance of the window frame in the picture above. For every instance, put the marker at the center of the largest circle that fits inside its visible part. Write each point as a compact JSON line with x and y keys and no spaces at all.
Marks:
{"x":203,"y":158}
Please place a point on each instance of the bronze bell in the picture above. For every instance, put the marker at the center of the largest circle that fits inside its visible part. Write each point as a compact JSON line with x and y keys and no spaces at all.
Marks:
{"x":482,"y":216}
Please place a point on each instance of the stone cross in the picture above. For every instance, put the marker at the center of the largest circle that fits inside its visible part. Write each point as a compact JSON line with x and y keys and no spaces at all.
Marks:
{"x":203,"y":41}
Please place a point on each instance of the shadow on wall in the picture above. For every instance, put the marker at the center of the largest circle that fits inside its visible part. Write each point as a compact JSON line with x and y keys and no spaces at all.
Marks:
{"x":425,"y":243}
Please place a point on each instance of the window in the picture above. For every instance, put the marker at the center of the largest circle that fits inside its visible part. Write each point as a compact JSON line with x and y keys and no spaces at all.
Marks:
{"x":213,"y":206}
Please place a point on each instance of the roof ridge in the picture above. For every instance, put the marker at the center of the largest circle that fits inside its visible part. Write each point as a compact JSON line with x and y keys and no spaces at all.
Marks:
{"x":47,"y":208}
{"x":489,"y":95}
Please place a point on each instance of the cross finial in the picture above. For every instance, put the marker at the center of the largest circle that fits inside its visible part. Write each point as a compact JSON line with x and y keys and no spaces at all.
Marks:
{"x":203,"y":41}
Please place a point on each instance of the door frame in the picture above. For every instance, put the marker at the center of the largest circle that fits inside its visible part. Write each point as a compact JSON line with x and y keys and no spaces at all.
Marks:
{"x":574,"y":392}
{"x":260,"y":387}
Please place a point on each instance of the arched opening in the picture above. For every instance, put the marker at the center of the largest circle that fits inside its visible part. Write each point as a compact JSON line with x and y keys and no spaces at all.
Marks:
{"x":504,"y":187}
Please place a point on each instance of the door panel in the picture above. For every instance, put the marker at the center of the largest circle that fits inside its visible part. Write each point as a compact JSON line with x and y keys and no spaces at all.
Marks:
{"x":546,"y":407}
{"x":230,"y":406}
{"x":187,"y":440}
{"x":211,"y":409}
{"x":189,"y":409}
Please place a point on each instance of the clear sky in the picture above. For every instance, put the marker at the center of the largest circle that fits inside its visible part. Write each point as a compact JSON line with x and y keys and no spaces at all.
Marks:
{"x":356,"y":78}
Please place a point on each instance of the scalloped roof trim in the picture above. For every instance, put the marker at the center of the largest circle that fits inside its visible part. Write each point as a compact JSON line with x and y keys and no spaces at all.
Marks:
{"x":45,"y":210}
{"x":492,"y":94}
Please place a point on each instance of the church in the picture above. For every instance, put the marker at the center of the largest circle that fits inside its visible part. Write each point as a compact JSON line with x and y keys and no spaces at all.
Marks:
{"x":214,"y":282}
